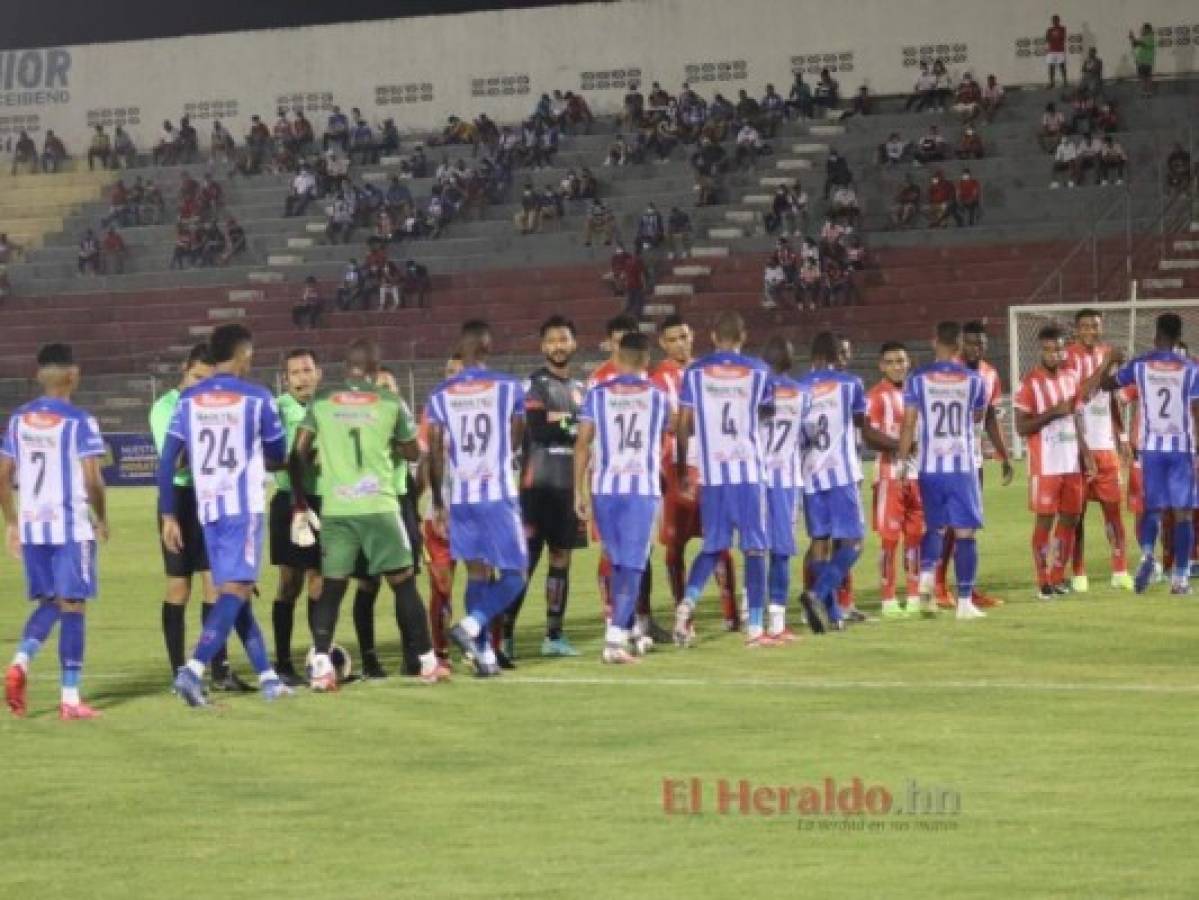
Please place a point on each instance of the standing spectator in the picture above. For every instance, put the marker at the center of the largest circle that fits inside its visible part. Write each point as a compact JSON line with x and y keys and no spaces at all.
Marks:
{"x":389,"y":140}
{"x":118,"y":206}
{"x":341,"y":220}
{"x":99,"y":149}
{"x":828,"y":92}
{"x":651,"y":230}
{"x":678,"y":233}
{"x":389,"y":286}
{"x":844,"y":205}
{"x":839,"y":288}
{"x":151,"y":209}
{"x":773,"y":111}
{"x":1082,"y":111}
{"x":211,"y":198}
{"x":337,"y":130}
{"x":528,"y":218}
{"x":971,"y":145}
{"x":967,"y":103}
{"x":24,"y":152}
{"x":166,"y":152}
{"x":577,"y":112}
{"x":809,"y":284}
{"x":632,"y":108}
{"x":302,"y":192}
{"x":235,"y":240}
{"x":1144,"y":52}
{"x":89,"y":253}
{"x":788,"y":261}
{"x":1178,"y":168}
{"x":213,"y":250}
{"x":1055,"y":49}
{"x":1091,"y":79}
{"x":774,"y":283}
{"x":635,"y":278}
{"x":307,"y":313}
{"x":8,"y":252}
{"x":1053,"y":126}
{"x":1106,"y":118}
{"x":221,"y":147}
{"x":1112,"y":160}
{"x":922,"y":91}
{"x":618,"y":264}
{"x":941,"y":199}
{"x":944,"y":87}
{"x":907,"y":204}
{"x":362,"y":144}
{"x":1065,"y":159}
{"x":189,"y":141}
{"x":799,"y":100}
{"x":53,"y":153}
{"x":302,"y":137}
{"x":931,"y":147}
{"x":862,"y":103}
{"x":969,"y":199}
{"x":416,"y":283}
{"x":352,"y":290}
{"x":599,"y":222}
{"x":182,"y":251}
{"x":992,"y":97}
{"x":113,"y":253}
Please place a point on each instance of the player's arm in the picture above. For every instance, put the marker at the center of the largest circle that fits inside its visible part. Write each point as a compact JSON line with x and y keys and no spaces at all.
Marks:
{"x":582,"y":460}
{"x":436,"y":461}
{"x":1195,"y":424}
{"x":995,"y":433}
{"x":907,"y":435}
{"x":875,"y":439}
{"x":407,"y":450}
{"x":682,"y":440}
{"x":1085,"y":456}
{"x":1115,"y":374}
{"x":300,"y":462}
{"x":168,"y":459}
{"x":518,"y":431}
{"x":93,"y":485}
{"x":1030,"y":423}
{"x":8,"y":505}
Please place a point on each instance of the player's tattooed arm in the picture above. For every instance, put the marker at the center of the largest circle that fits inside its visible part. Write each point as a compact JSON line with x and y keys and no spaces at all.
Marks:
{"x":436,"y":459}
{"x":299,"y":461}
{"x":875,"y":439}
{"x":93,"y":484}
{"x":1085,"y":456}
{"x":9,"y":507}
{"x":907,"y":436}
{"x":999,"y":442}
{"x":582,"y":460}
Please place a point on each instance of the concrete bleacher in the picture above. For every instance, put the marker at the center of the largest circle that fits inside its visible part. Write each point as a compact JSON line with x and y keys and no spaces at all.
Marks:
{"x":34,"y":206}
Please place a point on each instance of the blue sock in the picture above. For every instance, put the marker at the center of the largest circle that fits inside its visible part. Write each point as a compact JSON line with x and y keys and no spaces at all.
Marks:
{"x":216,"y":629}
{"x":816,"y":570}
{"x":626,"y":586}
{"x":755,"y":587}
{"x":832,"y":574}
{"x":70,"y":648}
{"x":251,"y":638}
{"x":701,"y":570}
{"x":1151,"y":523}
{"x":474,"y":594}
{"x":38,"y":627}
{"x":965,"y":565}
{"x":931,"y":546}
{"x":779,"y":579}
{"x":497,"y":596}
{"x":1184,"y":542}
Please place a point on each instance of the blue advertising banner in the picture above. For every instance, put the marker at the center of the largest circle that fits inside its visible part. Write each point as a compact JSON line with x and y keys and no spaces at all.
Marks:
{"x":131,"y":460}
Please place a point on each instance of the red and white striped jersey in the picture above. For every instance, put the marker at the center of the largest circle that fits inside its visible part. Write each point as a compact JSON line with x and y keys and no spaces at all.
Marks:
{"x":1097,"y":424}
{"x":884,"y":411}
{"x":1054,"y":449}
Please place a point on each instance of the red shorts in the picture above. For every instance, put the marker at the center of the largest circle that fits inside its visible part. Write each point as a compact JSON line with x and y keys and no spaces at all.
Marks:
{"x":1105,"y":486}
{"x":437,"y":548}
{"x":680,"y":515}
{"x":1051,"y":495}
{"x":1136,"y":491}
{"x":898,"y":510}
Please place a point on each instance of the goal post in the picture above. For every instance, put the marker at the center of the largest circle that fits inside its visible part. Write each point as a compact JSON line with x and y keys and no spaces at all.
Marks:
{"x":1127,"y":324}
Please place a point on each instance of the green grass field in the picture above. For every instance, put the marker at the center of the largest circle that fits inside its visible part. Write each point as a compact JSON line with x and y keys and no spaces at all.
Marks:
{"x":1066,"y":732}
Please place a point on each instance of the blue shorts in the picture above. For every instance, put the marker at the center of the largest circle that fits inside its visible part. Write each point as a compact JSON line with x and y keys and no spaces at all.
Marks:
{"x":60,"y":571}
{"x":626,"y":527}
{"x":782,"y":505}
{"x":489,"y":532}
{"x":951,"y":500}
{"x":234,"y":548}
{"x":834,"y":513}
{"x":1169,"y":480}
{"x":725,"y":508}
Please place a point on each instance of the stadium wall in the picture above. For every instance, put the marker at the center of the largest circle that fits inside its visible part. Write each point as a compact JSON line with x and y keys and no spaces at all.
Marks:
{"x":420,"y":70}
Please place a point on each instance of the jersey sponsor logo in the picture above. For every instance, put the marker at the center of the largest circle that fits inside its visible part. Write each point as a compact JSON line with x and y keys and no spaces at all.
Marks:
{"x":785,"y":393}
{"x":470,"y":387}
{"x":217,"y":399}
{"x":946,"y":377}
{"x":824,"y":388}
{"x":1165,"y":365}
{"x":41,"y":419}
{"x":726,"y":371}
{"x":627,"y":389}
{"x":354,"y":398}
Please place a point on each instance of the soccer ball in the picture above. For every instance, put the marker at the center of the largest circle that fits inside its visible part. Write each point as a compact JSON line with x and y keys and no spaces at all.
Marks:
{"x":343,"y":665}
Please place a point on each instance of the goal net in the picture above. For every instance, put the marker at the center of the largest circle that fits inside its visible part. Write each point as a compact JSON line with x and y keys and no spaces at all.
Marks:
{"x":1126,"y":324}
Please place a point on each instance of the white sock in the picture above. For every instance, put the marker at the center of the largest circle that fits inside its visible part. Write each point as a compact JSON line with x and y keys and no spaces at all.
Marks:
{"x":928,"y":581}
{"x":965,"y":603}
{"x":21,"y":660}
{"x":641,"y":625}
{"x":912,"y":600}
{"x":890,"y":604}
{"x":471,"y":626}
{"x":267,"y":675}
{"x":70,"y":696}
{"x":615,"y":637}
{"x":753,"y":631}
{"x":197,"y":667}
{"x":487,"y":657}
{"x":778,"y":617}
{"x":428,"y":661}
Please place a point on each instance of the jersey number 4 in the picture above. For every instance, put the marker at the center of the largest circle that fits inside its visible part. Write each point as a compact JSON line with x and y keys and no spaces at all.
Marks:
{"x":630,"y":436}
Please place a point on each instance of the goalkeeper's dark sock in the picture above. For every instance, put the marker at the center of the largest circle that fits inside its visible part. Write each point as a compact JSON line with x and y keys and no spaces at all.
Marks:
{"x":174,"y":631}
{"x":324,"y":613}
{"x":413,"y":622}
{"x":557,"y":593}
{"x":283,"y":617}
{"x":364,"y":615}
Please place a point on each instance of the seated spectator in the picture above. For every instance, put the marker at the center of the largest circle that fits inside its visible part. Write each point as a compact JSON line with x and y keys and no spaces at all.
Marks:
{"x":588,"y":185}
{"x":213,"y":249}
{"x":416,"y":284}
{"x":1053,"y":126}
{"x":774,"y":282}
{"x":352,"y":290}
{"x":844,"y":205}
{"x":528,"y":218}
{"x":632,"y":108}
{"x":550,"y":203}
{"x":189,"y":141}
{"x":971,"y":144}
{"x":24,"y":153}
{"x":301,"y":193}
{"x":651,"y":230}
{"x":302,"y":140}
{"x":8,"y":252}
{"x":663,"y":138}
{"x":827,"y":93}
{"x":747,"y":108}
{"x":617,"y":266}
{"x":773,"y":109}
{"x":547,"y":145}
{"x":862,"y":103}
{"x":894,"y":150}
{"x":921,"y":97}
{"x":211,"y":198}
{"x":221,"y":146}
{"x":362,"y":144}
{"x":1106,"y":119}
{"x":599,"y":223}
{"x":1112,"y":161}
{"x":1091,"y":79}
{"x":855,"y":253}
{"x":336,"y":166}
{"x":340,"y":224}
{"x":707,"y":186}
{"x":99,"y":149}
{"x":836,"y":172}
{"x":941,"y":199}
{"x":943,"y":89}
{"x":54,"y":154}
{"x":182,"y":252}
{"x":337,"y":130}
{"x":113,"y":253}
{"x":787,"y":260}
{"x":809,"y":284}
{"x":307,"y":313}
{"x":636,"y":277}
{"x":1082,"y":111}
{"x":398,"y":198}
{"x":119,"y":210}
{"x":166,"y":152}
{"x":618,"y":152}
{"x":749,"y":146}
{"x":1065,"y":159}
{"x":1178,"y":169}
{"x":678,"y":234}
{"x":89,"y":253}
{"x":124,"y":153}
{"x":577,"y":112}
{"x":907,"y":204}
{"x":992,"y":98}
{"x":931,"y":147}
{"x":795,"y":213}
{"x":235,"y":240}
{"x":389,"y":286}
{"x":389,"y":139}
{"x":387,"y":227}
{"x":658,"y":99}
{"x":1089,"y":148}
{"x":969,"y":199}
{"x":838,"y":284}
{"x":151,"y":208}
{"x":458,"y":131}
{"x":967,"y":103}
{"x":799,"y":99}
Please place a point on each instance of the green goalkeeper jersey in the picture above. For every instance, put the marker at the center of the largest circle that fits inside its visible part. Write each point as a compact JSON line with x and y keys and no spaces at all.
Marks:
{"x":293,"y":413}
{"x":356,"y":427}
{"x":161,"y":414}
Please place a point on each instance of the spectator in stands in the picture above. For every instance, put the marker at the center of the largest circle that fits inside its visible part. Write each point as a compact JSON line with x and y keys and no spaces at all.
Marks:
{"x":658,"y":99}
{"x":166,"y":152}
{"x":678,"y":234}
{"x":941,"y":200}
{"x":1065,"y":159}
{"x":307,"y":313}
{"x":1178,"y":168}
{"x":843,"y":205}
{"x":787,"y":260}
{"x":528,"y":218}
{"x":748,"y":109}
{"x":774,"y":283}
{"x":1089,"y":148}
{"x":1106,"y":118}
{"x":1053,"y":126}
{"x":588,"y":185}
{"x":862,"y":103}
{"x":340,"y":224}
{"x":362,"y":143}
{"x":389,"y":286}
{"x":118,"y":206}
{"x":617,"y":265}
{"x":635,"y":278}
{"x":971,"y":144}
{"x":894,"y":150}
{"x":389,"y":139}
{"x":1055,"y":49}
{"x":302,"y":192}
{"x":24,"y":152}
{"x":969,"y":199}
{"x":907,"y":204}
{"x":599,"y":223}
{"x":213,"y":250}
{"x":828,"y":92}
{"x":799,"y":99}
{"x":795,"y":214}
{"x":189,"y":141}
{"x":89,"y":253}
{"x":1112,"y":161}
{"x":664,"y":138}
{"x":922,"y":91}
{"x":303,"y":140}
{"x":577,"y":112}
{"x":943,"y":90}
{"x":221,"y":146}
{"x":337,"y":130}
{"x":1144,"y":51}
{"x":1091,"y":79}
{"x":992,"y":98}
{"x":99,"y":149}
{"x":618,"y":152}
{"x":773,"y":110}
{"x":1082,"y":111}
{"x":54,"y":154}
{"x":931,"y":147}
{"x":398,"y":198}
{"x":550,"y":206}
{"x":809,"y":284}
{"x":651,"y":230}
{"x":707,"y":186}
{"x":632,"y":108}
{"x":8,"y":252}
{"x":211,"y":197}
{"x":415,"y":283}
{"x":235,"y":240}
{"x":749,"y":146}
{"x":151,"y":209}
{"x":351,"y":292}
{"x":836,"y":172}
{"x":967,"y":102}
{"x":839,"y":286}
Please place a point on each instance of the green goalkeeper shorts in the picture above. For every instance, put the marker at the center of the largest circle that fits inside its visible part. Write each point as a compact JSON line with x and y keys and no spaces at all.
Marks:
{"x":380,"y":537}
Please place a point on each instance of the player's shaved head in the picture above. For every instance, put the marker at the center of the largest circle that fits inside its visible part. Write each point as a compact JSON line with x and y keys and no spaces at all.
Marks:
{"x":632,"y":355}
{"x":779,"y":354}
{"x":728,"y":331}
{"x":949,"y":335}
{"x":1087,"y":313}
{"x":621,"y":324}
{"x":825,"y":348}
{"x":362,"y":358}
{"x":1168,"y":331}
{"x":232,"y":348}
{"x":56,"y":369}
{"x":474,"y":342}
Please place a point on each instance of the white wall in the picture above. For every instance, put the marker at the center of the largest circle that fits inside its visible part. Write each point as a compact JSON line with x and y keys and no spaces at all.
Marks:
{"x":552,"y":48}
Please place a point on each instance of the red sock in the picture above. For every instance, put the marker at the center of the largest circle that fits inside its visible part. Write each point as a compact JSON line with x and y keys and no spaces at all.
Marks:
{"x":603,"y":578}
{"x":845,"y":592}
{"x":726,"y":577}
{"x":1063,"y":541}
{"x":942,"y":574}
{"x":1114,"y":525}
{"x":441,"y":582}
{"x":1040,"y":553}
{"x":886,"y":568}
{"x":497,"y":633}
{"x":1077,"y":557}
{"x":676,"y":572}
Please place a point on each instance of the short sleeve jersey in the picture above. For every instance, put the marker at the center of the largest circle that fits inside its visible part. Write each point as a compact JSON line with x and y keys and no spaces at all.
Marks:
{"x":1166,"y":384}
{"x":946,"y":396}
{"x":832,"y":399}
{"x":630,"y":416}
{"x":160,"y":420}
{"x":292,"y":412}
{"x":1054,"y":449}
{"x":781,"y":434}
{"x":884,"y":411}
{"x":726,"y":391}
{"x":1098,"y":428}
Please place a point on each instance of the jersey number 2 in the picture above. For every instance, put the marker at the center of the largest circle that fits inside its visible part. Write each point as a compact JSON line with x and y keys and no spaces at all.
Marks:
{"x":226,"y":456}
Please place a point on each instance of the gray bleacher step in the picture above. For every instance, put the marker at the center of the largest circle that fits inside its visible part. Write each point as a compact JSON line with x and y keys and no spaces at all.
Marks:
{"x":1186,"y":246}
{"x":809,"y":148}
{"x":757,"y":199}
{"x":660,"y":309}
{"x":693,"y":271}
{"x":776,"y":181}
{"x":390,"y":160}
{"x":744,"y":216}
{"x":789,"y":165}
{"x":315,"y":227}
{"x":178,"y":350}
{"x":1175,"y":264}
{"x":647,"y":327}
{"x":284,"y":259}
{"x":199,"y":331}
{"x":1195,"y":226}
{"x":1161,"y":283}
{"x":702,"y":252}
{"x":674,"y":290}
{"x":300,"y":243}
{"x":729,"y":234}
{"x":226,"y":312}
{"x":265,"y":277}
{"x":826,"y":130}
{"x":245,"y":296}
{"x":164,"y":369}
{"x":123,"y":402}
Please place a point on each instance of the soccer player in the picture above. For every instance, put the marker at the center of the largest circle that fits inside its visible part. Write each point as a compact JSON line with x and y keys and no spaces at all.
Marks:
{"x":834,"y":403}
{"x":1168,"y":388}
{"x":626,"y":418}
{"x":1103,"y":431}
{"x":180,"y":568}
{"x":476,"y":420}
{"x":1049,"y":414}
{"x":299,"y":567}
{"x":781,"y":433}
{"x":719,"y":406}
{"x":547,"y":486}
{"x":53,"y":450}
{"x":946,"y":400}
{"x":973,"y":357}
{"x":898,"y":512}
{"x":360,"y":429}
{"x":231,"y":432}
{"x":680,"y":509}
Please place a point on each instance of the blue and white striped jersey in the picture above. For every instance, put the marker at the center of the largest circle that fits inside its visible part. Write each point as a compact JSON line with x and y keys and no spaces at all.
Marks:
{"x":1166,"y":384}
{"x":630,"y":415}
{"x":945,"y":396}
{"x":726,"y":391}
{"x":831,"y":401}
